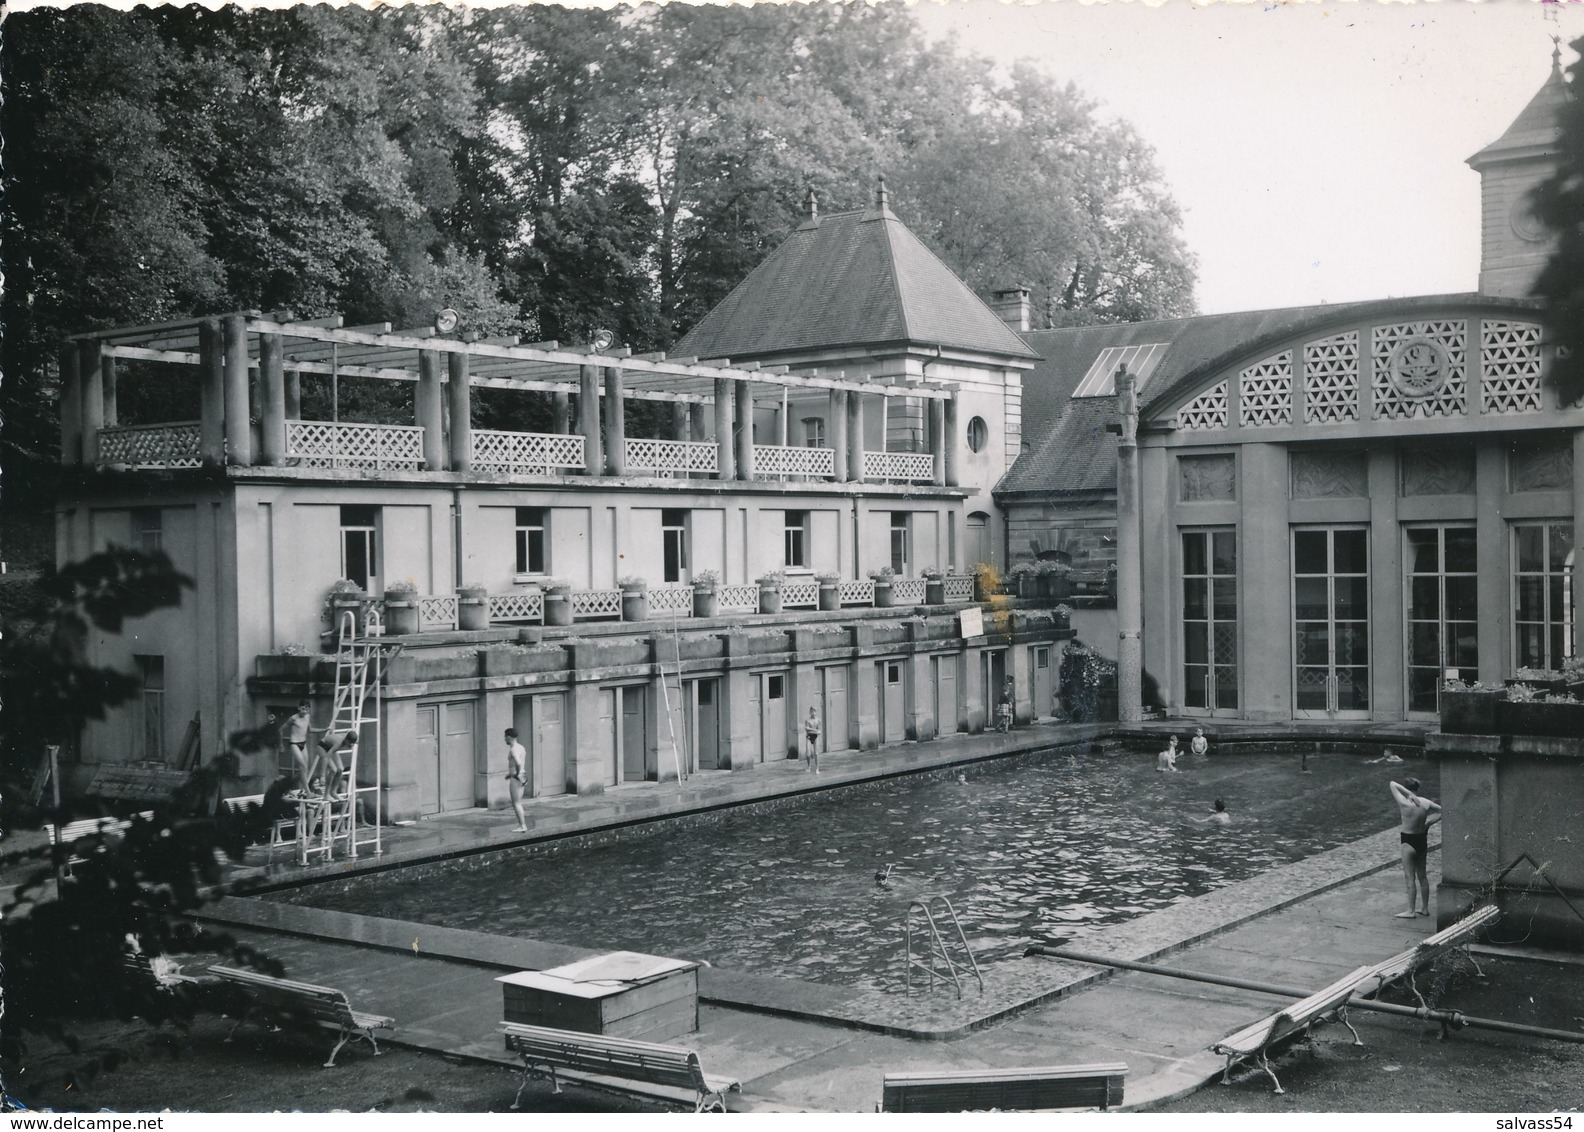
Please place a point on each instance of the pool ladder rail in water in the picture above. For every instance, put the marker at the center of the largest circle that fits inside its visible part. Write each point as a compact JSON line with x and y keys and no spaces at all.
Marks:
{"x":934,"y":954}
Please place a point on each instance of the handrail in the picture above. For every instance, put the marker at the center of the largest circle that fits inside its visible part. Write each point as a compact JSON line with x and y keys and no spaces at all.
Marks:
{"x":936,"y":945}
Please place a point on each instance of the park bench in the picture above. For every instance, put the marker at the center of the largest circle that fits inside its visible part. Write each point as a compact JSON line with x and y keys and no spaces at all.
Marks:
{"x":1402,"y":967}
{"x":283,"y":831}
{"x":284,"y":1001}
{"x":73,"y":831}
{"x":1255,"y":1043}
{"x":613,"y":1063}
{"x":1008,"y":1090}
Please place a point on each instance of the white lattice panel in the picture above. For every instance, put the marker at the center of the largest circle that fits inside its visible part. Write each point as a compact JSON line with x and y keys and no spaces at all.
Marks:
{"x":739,"y":597}
{"x":786,"y":460}
{"x":1331,"y":379}
{"x":907,"y":591}
{"x":528,"y":453}
{"x":174,"y":445}
{"x":1208,"y":410}
{"x":596,"y":603}
{"x":857,"y":593}
{"x":437,"y":611}
{"x":672,"y":455}
{"x":325,"y":444}
{"x":801,"y":594}
{"x":959,"y":587}
{"x":1265,"y":392}
{"x":672,"y":599}
{"x":898,"y":466}
{"x":1510,"y":376}
{"x":527,"y":605}
{"x":1448,"y":400}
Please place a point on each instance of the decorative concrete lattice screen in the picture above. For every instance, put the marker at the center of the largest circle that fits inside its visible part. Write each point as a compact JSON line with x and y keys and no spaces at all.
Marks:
{"x":1331,"y":379}
{"x":152,"y":446}
{"x":326,"y":444}
{"x":959,"y":588}
{"x":525,"y":451}
{"x":739,"y":597}
{"x":1265,"y":392}
{"x":672,"y":455}
{"x":1208,"y":410}
{"x":1510,"y":378}
{"x":898,"y":466}
{"x":437,"y":612}
{"x":672,"y":599}
{"x":525,"y":606}
{"x":803,"y":593}
{"x":596,"y":603}
{"x":787,"y":460}
{"x":1393,"y":400}
{"x":908,"y":591}
{"x":857,"y":593}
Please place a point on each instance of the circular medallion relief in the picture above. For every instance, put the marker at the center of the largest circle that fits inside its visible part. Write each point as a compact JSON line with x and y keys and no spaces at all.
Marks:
{"x":1418,"y":368}
{"x":1525,"y":224}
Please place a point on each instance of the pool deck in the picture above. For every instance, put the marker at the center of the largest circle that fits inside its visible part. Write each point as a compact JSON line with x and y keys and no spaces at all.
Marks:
{"x":799,"y":1046}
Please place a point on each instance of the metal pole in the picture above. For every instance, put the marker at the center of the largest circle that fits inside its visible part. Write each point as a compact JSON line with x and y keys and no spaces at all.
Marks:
{"x":1445,"y":1017}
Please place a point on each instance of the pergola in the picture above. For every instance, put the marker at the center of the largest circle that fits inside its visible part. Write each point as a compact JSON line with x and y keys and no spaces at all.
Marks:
{"x":250,"y":367}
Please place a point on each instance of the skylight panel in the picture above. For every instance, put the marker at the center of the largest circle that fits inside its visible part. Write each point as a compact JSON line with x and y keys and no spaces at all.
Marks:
{"x":1141,"y":361}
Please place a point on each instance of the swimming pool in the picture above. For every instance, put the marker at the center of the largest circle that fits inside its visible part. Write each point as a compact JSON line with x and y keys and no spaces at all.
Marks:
{"x":1028,"y":848}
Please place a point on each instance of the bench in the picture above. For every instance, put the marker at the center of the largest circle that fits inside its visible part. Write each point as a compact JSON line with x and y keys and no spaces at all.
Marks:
{"x":1405,"y":965}
{"x":1009,"y":1090}
{"x":1255,"y":1043}
{"x":302,"y":1004}
{"x":239,"y":806}
{"x":74,"y":831}
{"x":613,"y":1063}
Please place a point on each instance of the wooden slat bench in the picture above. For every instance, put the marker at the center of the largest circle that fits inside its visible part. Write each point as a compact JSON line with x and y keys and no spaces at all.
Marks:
{"x":278,"y":829}
{"x":1009,"y":1090}
{"x":1404,"y":966}
{"x":88,"y":827}
{"x":1255,"y":1043}
{"x":286,"y":1002}
{"x":613,"y":1063}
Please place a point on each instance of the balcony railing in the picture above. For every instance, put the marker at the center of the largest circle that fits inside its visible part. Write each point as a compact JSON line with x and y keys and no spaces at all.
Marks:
{"x":524,"y":605}
{"x":800,"y":594}
{"x":437,"y":612}
{"x":525,"y":453}
{"x":908,"y":466}
{"x":737,"y":598}
{"x":174,"y":445}
{"x":959,"y":587}
{"x":672,"y":599}
{"x":327,"y":444}
{"x":787,"y":460}
{"x":590,"y":604}
{"x":857,"y":593}
{"x":907,"y":591}
{"x":672,"y":455}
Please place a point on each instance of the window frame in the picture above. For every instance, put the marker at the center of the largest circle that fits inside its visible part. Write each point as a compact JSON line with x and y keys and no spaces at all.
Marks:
{"x":354,"y":525}
{"x":528,"y":521}
{"x":151,"y":706}
{"x":674,"y":539}
{"x":1567,"y":618}
{"x":902,"y":564}
{"x":795,"y":535}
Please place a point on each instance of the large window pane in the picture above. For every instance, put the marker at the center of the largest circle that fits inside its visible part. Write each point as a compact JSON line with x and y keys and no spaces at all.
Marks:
{"x":1196,"y":642}
{"x":1352,"y":598}
{"x":1194,"y":553}
{"x":1462,"y":598}
{"x":1531,"y":548}
{"x":1559,"y":545}
{"x":1225,"y":552}
{"x":1314,"y":642}
{"x":1312,"y":598}
{"x":1460,"y":551}
{"x":1424,"y":552}
{"x":1351,"y":552}
{"x":1425,"y":598}
{"x":1424,"y":643}
{"x":1309,"y":552}
{"x":1225,"y":599}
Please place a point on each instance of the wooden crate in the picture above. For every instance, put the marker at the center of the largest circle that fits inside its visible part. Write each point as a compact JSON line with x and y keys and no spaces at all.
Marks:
{"x":622,"y":995}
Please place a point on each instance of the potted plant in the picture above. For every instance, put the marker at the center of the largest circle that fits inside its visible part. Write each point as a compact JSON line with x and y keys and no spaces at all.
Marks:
{"x":1527,"y":711}
{"x":401,"y":608}
{"x":706,"y":593}
{"x":829,"y":591}
{"x":1471,"y":709}
{"x":635,"y":598}
{"x":472,"y":607}
{"x":1051,"y":579}
{"x":770,"y":584}
{"x":557,"y":601}
{"x":1573,"y":676}
{"x":346,"y":596}
{"x":1540,"y":679}
{"x":883,"y":578}
{"x":934,"y":586}
{"x":1021,"y":577}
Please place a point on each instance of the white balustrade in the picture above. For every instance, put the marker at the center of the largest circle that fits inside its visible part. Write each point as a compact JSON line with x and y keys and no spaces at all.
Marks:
{"x":174,"y":445}
{"x":803,"y":593}
{"x":788,"y":460}
{"x":437,"y":611}
{"x":959,"y":587}
{"x":857,"y":593}
{"x":739,"y":598}
{"x":907,"y":591}
{"x":899,"y":466}
{"x":596,"y":603}
{"x":672,"y":599}
{"x":327,"y":444}
{"x":671,"y":455}
{"x":521,"y":605}
{"x":526,"y":453}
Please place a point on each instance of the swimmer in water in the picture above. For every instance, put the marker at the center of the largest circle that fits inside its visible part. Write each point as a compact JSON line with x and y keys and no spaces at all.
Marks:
{"x":1388,"y":757}
{"x":1166,"y":761}
{"x":1199,"y":745}
{"x":962,"y":779}
{"x":1220,"y":816}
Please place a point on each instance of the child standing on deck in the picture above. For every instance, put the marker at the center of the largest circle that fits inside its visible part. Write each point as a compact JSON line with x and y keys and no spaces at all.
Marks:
{"x":811,"y":732}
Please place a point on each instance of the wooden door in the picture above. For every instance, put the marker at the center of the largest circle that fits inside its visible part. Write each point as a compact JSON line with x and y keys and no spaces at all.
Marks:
{"x":549,"y":745}
{"x":947,"y":713}
{"x":756,"y":714}
{"x":605,"y":739}
{"x":429,"y":759}
{"x":893,"y":701}
{"x":633,"y":735}
{"x":706,"y":725}
{"x":457,"y":757}
{"x":775,"y":718}
{"x":837,"y":727}
{"x":1040,"y":665}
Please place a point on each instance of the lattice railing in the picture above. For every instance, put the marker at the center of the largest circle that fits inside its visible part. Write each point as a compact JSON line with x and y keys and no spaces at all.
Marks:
{"x":672,"y":599}
{"x":959,"y":587}
{"x":1265,"y":391}
{"x":174,"y":445}
{"x":596,"y":603}
{"x":672,"y":455}
{"x":541,"y":453}
{"x":789,"y":460}
{"x":437,"y":611}
{"x":523,"y":605}
{"x":739,"y":597}
{"x":326,"y":444}
{"x":1331,"y":379}
{"x":1510,"y":379}
{"x":1418,"y":370}
{"x":1208,"y":410}
{"x":907,"y":591}
{"x":898,"y":466}
{"x":802,"y":593}
{"x":857,"y":593}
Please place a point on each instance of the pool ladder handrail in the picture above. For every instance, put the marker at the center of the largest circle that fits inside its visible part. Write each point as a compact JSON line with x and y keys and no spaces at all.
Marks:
{"x":935,"y":947}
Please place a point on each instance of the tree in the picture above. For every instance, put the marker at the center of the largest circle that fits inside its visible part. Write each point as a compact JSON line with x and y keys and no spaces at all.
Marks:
{"x":1558,"y":202}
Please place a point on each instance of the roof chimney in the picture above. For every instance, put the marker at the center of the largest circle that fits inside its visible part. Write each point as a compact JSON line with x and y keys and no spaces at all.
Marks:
{"x":1012,"y":305}
{"x":811,"y":205}
{"x":882,"y":196}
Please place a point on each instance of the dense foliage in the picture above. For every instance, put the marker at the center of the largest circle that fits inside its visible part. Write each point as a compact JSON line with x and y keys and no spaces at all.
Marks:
{"x":1559,"y":203}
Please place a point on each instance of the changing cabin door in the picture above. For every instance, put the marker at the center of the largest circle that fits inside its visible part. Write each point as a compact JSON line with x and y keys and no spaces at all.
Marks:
{"x":428,"y":743}
{"x":457,"y":757}
{"x":834,"y":735}
{"x":549,"y":745}
{"x":892,"y":701}
{"x":632,"y":733}
{"x":947,"y":715}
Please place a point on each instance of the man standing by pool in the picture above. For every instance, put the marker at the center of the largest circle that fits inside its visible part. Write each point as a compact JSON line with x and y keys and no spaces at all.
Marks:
{"x":811,"y":732}
{"x":516,"y":773}
{"x":1417,"y":815}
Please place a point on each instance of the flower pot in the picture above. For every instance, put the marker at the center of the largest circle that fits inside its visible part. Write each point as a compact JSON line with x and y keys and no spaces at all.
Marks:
{"x":346,"y":602}
{"x":1054,"y":587}
{"x":706,"y":601}
{"x":1470,"y":711}
{"x":829,"y":596}
{"x":934,"y":591}
{"x":635,"y":603}
{"x":1563,"y":721}
{"x":401,"y":613}
{"x":769,"y":598}
{"x":882,"y":598}
{"x":558,"y":605}
{"x":472,"y":608}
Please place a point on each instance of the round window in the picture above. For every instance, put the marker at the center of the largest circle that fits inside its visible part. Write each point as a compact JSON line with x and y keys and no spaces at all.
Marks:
{"x":978,"y":434}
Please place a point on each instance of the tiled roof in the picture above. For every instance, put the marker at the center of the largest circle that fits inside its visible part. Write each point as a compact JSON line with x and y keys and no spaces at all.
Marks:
{"x":851,"y":279}
{"x":1536,"y":128}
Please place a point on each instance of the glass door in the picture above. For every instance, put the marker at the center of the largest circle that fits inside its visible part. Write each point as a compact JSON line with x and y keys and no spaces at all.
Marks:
{"x":1331,"y":667}
{"x":1210,"y":621}
{"x":1442,"y":606}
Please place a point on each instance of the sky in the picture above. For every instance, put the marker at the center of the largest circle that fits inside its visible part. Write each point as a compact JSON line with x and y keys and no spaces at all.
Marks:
{"x":1317,"y":149}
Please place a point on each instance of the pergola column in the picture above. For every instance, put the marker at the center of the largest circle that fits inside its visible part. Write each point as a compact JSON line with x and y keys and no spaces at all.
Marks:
{"x":681,"y":424}
{"x":937,"y":439}
{"x":745,"y":431}
{"x":560,"y":414}
{"x":70,"y":406}
{"x":838,"y":431}
{"x":696,"y":427}
{"x":89,"y":353}
{"x":615,"y":424}
{"x":293,"y":395}
{"x":238,"y":425}
{"x":211,"y":393}
{"x":949,"y":435}
{"x":1130,"y":598}
{"x":429,"y":410}
{"x":272,"y":401}
{"x":112,"y":412}
{"x":461,"y":413}
{"x":855,"y":438}
{"x":589,"y":419}
{"x":725,"y":455}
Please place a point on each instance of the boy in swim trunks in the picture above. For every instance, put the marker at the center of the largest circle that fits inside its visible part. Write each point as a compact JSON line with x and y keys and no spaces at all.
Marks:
{"x":1417,"y":815}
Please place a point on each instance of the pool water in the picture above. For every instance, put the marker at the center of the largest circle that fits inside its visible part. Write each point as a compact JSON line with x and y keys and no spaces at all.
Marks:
{"x":1031,"y":848}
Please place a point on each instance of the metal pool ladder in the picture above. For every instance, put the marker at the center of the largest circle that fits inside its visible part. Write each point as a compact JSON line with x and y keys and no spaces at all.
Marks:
{"x":934,"y":953}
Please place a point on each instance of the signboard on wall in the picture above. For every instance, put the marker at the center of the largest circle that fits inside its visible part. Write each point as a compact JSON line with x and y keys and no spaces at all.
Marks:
{"x":972,"y":621}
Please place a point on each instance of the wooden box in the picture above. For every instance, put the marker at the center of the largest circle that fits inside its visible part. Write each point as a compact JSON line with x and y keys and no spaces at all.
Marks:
{"x":623,"y":994}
